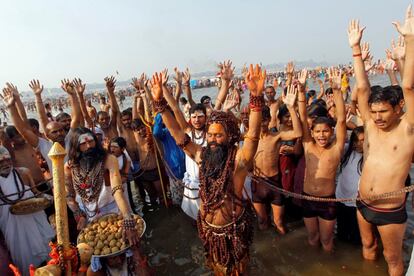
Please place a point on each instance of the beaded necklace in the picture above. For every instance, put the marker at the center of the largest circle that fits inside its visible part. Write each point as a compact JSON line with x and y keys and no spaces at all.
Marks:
{"x":20,"y":190}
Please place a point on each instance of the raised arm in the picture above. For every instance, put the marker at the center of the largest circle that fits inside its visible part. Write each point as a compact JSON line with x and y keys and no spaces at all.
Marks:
{"x":37,"y":89}
{"x":110,"y":87}
{"x":19,"y":104}
{"x":181,"y":138}
{"x":389,"y":68}
{"x":76,"y":115}
{"x":398,"y":54}
{"x":289,"y":100}
{"x":226,"y":75}
{"x":255,"y":80}
{"x":187,"y":88}
{"x":335,"y":82}
{"x":321,"y":89}
{"x":178,"y":84}
{"x":303,"y":114}
{"x":21,"y":126}
{"x":179,"y":116}
{"x":80,"y":89}
{"x":362,"y":83}
{"x":407,"y":31}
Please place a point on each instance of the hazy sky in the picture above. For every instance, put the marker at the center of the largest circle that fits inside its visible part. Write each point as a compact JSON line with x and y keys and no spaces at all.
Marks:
{"x":53,"y":39}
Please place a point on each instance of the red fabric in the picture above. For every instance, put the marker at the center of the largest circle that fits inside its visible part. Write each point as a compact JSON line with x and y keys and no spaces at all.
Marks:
{"x":287,"y":165}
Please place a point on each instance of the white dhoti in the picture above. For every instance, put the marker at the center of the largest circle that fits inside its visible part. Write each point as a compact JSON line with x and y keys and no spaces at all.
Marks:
{"x":27,"y":236}
{"x":191,"y":199}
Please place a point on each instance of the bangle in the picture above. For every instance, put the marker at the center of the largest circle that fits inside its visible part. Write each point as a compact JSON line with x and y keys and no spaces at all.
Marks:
{"x":301,"y":101}
{"x":256,"y":103}
{"x":357,"y":55}
{"x":160,"y":105}
{"x":116,"y":188}
{"x":186,"y":141}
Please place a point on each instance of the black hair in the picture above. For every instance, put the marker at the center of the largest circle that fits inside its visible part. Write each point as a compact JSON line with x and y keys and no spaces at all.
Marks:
{"x":33,"y":123}
{"x":198,"y":107}
{"x":204,"y":98}
{"x":311,"y":93}
{"x":126,"y":112}
{"x":265,"y":113}
{"x":61,"y":116}
{"x":120,"y":141}
{"x":328,"y":91}
{"x":323,"y":120}
{"x":137,"y":124}
{"x":317,"y":110}
{"x":74,"y":153}
{"x":283,"y":110}
{"x":11,"y":131}
{"x":352,"y":140}
{"x":100,"y":113}
{"x":386,"y":94}
{"x":397,"y":90}
{"x":183,"y":100}
{"x":271,"y":87}
{"x":321,"y":103}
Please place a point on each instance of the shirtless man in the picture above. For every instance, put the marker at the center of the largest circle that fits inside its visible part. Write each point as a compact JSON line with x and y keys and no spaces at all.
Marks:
{"x":389,"y":143}
{"x":322,"y":154}
{"x":268,"y":149}
{"x":103,"y":105}
{"x":107,"y":123}
{"x":224,"y":220}
{"x":273,"y":104}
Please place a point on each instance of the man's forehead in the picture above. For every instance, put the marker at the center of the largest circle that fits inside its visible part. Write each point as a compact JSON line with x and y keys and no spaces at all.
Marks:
{"x":198,"y":113}
{"x":216,"y":128}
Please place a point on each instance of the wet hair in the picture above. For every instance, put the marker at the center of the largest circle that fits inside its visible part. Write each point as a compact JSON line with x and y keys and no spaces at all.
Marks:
{"x":328,"y":91}
{"x":61,"y":116}
{"x":126,"y":112}
{"x":323,"y":120}
{"x":120,"y":141}
{"x":137,"y":124}
{"x":34,"y":123}
{"x":352,"y":140}
{"x":386,"y":94}
{"x":397,"y":90}
{"x":283,"y":111}
{"x":265,"y":113}
{"x":75,"y":155}
{"x":204,"y":98}
{"x":198,"y":107}
{"x":11,"y":131}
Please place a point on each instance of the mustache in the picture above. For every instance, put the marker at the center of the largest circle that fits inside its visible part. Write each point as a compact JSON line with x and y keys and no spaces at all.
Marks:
{"x":214,"y":160}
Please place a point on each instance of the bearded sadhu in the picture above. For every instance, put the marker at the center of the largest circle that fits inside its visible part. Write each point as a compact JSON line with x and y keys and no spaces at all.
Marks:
{"x":225,"y":220}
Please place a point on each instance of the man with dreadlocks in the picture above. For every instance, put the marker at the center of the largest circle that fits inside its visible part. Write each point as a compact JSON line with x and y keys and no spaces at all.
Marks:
{"x":224,"y":221}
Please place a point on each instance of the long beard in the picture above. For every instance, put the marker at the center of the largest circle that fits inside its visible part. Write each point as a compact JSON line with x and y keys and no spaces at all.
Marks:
{"x":214,"y":160}
{"x":89,"y":159}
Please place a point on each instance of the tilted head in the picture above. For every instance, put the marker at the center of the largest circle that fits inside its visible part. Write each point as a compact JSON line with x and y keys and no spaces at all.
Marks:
{"x":103,"y":119}
{"x":6,"y":164}
{"x":198,"y":116}
{"x":15,"y":137}
{"x":65,"y":119}
{"x":117,"y":146}
{"x":270,"y":93}
{"x":138,"y":125}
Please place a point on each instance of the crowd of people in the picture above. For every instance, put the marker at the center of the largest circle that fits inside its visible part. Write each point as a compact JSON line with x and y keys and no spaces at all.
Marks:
{"x":229,"y":166}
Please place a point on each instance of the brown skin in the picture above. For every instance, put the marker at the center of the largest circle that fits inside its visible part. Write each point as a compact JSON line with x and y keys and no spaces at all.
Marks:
{"x":105,"y":123}
{"x":216,"y":133}
{"x":322,"y":155}
{"x":387,"y":134}
{"x":268,"y":149}
{"x":273,"y":104}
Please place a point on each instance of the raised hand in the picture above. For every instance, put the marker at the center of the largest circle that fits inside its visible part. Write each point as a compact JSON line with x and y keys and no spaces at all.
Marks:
{"x":8,"y":96}
{"x":226,"y":71}
{"x":178,"y":76}
{"x":389,"y":62}
{"x":290,"y":98}
{"x":408,"y":27}
{"x":354,"y":33}
{"x":13,"y":89}
{"x":68,"y":86}
{"x":398,"y":50}
{"x":186,"y":76}
{"x":79,"y":86}
{"x":232,"y":100}
{"x":302,"y":77}
{"x":290,"y":68}
{"x":136,"y":84}
{"x":164,"y":77}
{"x":368,"y":64}
{"x":110,"y":83}
{"x":335,"y":79}
{"x":36,"y":87}
{"x":156,"y":86}
{"x":365,"y":53}
{"x":255,"y":80}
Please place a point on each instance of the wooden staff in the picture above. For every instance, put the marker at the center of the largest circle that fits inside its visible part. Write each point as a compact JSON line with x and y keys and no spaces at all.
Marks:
{"x":57,"y":154}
